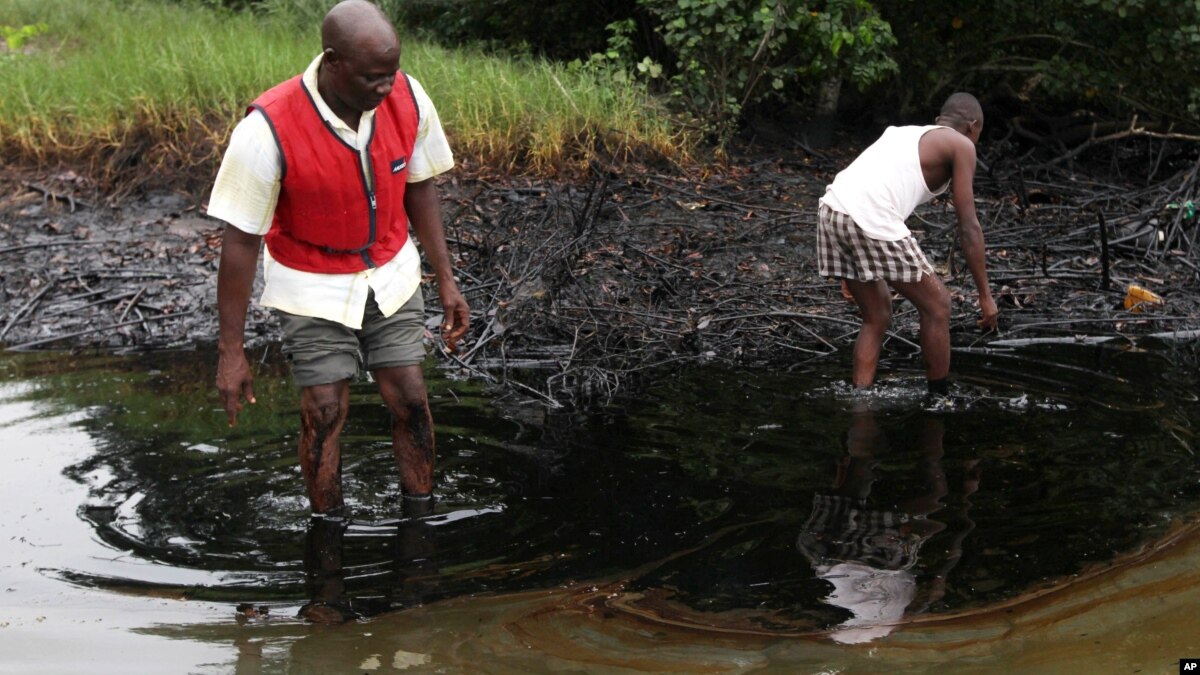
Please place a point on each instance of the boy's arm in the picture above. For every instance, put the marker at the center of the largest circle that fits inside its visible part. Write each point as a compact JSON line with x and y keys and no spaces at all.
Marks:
{"x":970,"y":234}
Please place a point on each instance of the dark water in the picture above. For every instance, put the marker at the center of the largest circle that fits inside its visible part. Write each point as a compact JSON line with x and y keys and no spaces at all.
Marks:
{"x":758,"y":501}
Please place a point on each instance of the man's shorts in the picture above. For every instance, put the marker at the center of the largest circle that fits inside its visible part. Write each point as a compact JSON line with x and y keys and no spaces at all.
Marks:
{"x":844,"y":251}
{"x":323,"y":351}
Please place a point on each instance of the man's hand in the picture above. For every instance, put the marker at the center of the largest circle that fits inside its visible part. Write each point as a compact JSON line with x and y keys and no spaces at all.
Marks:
{"x":235,"y":278}
{"x":456,"y":316}
{"x":234,"y":382}
{"x":991,"y":313}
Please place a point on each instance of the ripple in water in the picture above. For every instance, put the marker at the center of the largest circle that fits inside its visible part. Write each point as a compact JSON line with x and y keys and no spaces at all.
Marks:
{"x":733,"y":501}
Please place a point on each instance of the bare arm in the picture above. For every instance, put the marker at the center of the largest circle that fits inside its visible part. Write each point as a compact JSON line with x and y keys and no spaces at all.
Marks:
{"x":421,"y":202}
{"x":970,"y":234}
{"x":235,"y":281}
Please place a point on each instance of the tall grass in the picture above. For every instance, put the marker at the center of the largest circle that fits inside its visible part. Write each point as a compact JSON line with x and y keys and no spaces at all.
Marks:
{"x":150,"y":89}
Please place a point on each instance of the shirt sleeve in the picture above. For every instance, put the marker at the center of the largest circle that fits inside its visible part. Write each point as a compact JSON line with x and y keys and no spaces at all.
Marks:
{"x":431,"y":153}
{"x":247,"y":185}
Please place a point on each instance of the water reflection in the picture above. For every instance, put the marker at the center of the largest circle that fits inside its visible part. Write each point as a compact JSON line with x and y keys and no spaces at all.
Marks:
{"x":405,"y":578}
{"x":324,"y":576}
{"x":679,"y":506}
{"x":868,"y":550}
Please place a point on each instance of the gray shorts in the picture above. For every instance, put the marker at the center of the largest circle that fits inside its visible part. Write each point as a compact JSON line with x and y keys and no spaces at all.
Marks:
{"x":844,"y":251}
{"x":323,"y":351}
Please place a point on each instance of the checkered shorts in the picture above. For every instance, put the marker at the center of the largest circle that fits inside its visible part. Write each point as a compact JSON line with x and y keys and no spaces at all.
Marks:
{"x":841,"y":529}
{"x":844,"y":251}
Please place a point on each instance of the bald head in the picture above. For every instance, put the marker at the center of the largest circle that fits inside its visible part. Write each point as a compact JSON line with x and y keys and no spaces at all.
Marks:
{"x":360,"y":59}
{"x":961,"y":108}
{"x":355,"y":25}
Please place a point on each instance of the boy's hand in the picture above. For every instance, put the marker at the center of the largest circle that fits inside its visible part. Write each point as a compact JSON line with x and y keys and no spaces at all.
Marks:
{"x":846,"y":294}
{"x":991,"y":313}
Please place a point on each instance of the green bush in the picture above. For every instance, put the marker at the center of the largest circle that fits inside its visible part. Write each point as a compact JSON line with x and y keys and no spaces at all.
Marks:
{"x":720,"y":59}
{"x":1116,"y":57}
{"x":561,"y":29}
{"x":716,"y":58}
{"x":730,"y":55}
{"x":15,"y":37}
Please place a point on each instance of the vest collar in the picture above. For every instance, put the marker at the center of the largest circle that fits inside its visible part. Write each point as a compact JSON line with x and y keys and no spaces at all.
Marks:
{"x":309,"y":82}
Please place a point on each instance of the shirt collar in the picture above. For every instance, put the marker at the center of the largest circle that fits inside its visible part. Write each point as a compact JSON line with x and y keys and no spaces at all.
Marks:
{"x":309,"y":80}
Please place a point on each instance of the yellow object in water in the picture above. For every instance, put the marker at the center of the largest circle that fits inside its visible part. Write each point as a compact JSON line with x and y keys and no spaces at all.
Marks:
{"x":1137,"y":296}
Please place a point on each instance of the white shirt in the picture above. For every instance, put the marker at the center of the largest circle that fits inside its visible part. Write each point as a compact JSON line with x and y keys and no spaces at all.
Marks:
{"x":876,"y":597}
{"x":247,"y":189}
{"x":882,"y":186}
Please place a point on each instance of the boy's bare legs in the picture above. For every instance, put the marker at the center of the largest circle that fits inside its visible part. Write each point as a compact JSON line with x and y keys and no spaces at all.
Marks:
{"x":874,"y":299}
{"x":932,"y":301}
{"x":875,"y":302}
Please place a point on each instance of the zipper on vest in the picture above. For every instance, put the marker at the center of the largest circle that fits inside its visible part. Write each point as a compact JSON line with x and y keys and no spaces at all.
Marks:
{"x":368,"y":187}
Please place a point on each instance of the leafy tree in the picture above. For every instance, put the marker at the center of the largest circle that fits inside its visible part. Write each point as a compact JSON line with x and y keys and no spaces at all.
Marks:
{"x":1116,"y":57}
{"x":561,"y":29}
{"x":730,"y":55}
{"x":851,"y":43}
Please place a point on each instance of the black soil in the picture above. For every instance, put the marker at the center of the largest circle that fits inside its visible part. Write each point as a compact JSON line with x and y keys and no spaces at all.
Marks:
{"x":593,"y":280}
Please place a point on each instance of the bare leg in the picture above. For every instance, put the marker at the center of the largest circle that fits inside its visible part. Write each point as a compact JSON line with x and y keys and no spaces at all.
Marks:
{"x":875,"y":302}
{"x":932,"y":301}
{"x":403,"y":390}
{"x":930,"y":444}
{"x":865,"y":444}
{"x":322,"y":415}
{"x":846,"y":295}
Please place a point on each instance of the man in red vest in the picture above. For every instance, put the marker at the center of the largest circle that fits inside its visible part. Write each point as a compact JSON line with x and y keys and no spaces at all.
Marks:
{"x":332,"y":167}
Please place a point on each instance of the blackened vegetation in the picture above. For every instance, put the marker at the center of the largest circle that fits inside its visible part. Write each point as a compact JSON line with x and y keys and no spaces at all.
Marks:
{"x":590,"y":285}
{"x":78,"y":270}
{"x":579,"y":288}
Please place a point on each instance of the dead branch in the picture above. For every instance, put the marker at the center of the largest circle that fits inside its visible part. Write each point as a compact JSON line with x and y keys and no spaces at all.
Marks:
{"x":98,"y":329}
{"x":28,"y":306}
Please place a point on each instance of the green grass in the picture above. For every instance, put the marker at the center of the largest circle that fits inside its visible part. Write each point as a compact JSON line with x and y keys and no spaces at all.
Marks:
{"x":141,"y":88}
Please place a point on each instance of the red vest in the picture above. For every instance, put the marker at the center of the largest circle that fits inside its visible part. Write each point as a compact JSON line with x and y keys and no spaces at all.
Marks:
{"x":328,"y":220}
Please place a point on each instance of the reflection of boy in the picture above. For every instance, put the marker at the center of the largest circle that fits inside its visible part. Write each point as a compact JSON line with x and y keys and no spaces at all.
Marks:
{"x":867,"y":557}
{"x":868,"y":554}
{"x":325,"y":573}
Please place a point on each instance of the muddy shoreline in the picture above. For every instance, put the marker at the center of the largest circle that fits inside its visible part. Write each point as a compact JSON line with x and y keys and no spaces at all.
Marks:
{"x":598,"y":279}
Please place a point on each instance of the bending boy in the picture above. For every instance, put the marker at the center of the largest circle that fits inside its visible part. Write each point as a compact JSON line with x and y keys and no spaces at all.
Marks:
{"x":862,"y":238}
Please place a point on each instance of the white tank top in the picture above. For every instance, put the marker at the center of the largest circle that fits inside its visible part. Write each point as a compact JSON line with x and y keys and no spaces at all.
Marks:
{"x":880,"y":188}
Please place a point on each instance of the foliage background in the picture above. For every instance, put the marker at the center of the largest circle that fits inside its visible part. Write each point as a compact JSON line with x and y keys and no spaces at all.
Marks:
{"x":725,"y":60}
{"x":148,"y":90}
{"x":554,"y":85}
